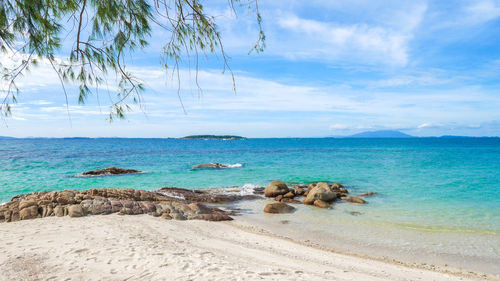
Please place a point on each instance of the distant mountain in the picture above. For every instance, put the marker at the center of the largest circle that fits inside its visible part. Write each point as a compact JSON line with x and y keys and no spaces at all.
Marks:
{"x":381,"y":134}
{"x":215,"y":137}
{"x":6,"y":138}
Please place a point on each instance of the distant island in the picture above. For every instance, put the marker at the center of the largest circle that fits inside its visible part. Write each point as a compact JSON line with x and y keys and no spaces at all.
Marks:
{"x":381,"y":134}
{"x":214,"y":137}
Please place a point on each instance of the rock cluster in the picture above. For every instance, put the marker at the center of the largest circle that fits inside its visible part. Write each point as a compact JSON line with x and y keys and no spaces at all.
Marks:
{"x":319,"y":194}
{"x":105,"y":201}
{"x":110,"y":171}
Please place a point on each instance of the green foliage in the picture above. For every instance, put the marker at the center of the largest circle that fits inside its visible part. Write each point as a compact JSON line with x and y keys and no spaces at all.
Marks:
{"x":105,"y":32}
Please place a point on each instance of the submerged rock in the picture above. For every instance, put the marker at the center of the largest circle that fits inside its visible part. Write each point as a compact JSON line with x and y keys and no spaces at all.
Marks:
{"x":110,"y":171}
{"x":278,"y":208}
{"x":367,"y":194}
{"x":276,"y":188}
{"x":105,"y":201}
{"x":353,"y":199}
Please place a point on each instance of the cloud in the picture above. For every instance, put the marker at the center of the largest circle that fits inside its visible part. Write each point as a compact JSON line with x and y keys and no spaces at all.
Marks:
{"x":482,"y":11}
{"x":330,"y":40}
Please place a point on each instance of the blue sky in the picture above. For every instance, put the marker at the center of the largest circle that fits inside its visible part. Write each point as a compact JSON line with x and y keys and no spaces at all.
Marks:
{"x":426,"y":68}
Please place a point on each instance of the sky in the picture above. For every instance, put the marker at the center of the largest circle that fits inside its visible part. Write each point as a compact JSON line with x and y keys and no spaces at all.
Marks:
{"x":330,"y":68}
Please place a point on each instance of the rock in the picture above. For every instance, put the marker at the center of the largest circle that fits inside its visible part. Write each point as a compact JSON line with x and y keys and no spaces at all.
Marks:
{"x":289,"y":200}
{"x":367,"y":194}
{"x":76,"y":211}
{"x":28,"y":213}
{"x":289,"y":195}
{"x":65,"y":197}
{"x":337,"y":185}
{"x":210,"y":166}
{"x":298,"y":190}
{"x":355,"y":213}
{"x":215,"y":217}
{"x":322,"y":191}
{"x":166,"y":216}
{"x":27,"y":203}
{"x":47,"y":211}
{"x":110,"y":171}
{"x":59,"y":211}
{"x":276,"y":188}
{"x":278,"y":198}
{"x":343,"y":191}
{"x":278,"y":208}
{"x":353,"y":199}
{"x":321,"y":204}
{"x":178,"y":216}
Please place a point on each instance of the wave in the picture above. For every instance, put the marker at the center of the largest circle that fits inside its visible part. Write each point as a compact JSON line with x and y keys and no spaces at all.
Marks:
{"x":237,"y":165}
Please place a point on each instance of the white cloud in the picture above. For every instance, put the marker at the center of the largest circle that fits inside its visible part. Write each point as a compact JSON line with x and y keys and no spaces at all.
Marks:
{"x":330,"y":40}
{"x":483,"y":11}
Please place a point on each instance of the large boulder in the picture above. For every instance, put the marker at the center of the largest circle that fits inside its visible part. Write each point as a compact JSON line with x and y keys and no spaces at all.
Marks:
{"x":276,"y":188}
{"x":321,"y":191}
{"x":278,"y":208}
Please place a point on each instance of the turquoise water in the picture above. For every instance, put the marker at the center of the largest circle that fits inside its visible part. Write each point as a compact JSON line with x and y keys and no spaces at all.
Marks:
{"x":445,"y":183}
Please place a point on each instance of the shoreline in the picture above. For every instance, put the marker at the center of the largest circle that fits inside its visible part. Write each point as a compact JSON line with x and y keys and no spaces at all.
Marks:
{"x":336,"y":229}
{"x":146,"y":247}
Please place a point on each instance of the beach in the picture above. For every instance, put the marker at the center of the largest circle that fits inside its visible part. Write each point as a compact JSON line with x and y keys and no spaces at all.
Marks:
{"x":142,"y":247}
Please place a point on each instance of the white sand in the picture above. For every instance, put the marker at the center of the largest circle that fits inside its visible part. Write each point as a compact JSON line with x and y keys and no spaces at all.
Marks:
{"x":147,"y":248}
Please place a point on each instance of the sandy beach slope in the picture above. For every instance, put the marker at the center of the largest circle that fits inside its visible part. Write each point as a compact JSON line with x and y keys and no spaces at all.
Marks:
{"x":143,"y":247}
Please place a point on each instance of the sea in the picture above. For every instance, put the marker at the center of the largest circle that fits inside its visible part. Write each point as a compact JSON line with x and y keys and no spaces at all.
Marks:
{"x":436,"y":198}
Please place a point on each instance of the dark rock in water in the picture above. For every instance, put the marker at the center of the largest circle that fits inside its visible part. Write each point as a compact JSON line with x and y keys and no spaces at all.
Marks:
{"x":353,"y":199}
{"x":278,"y":208}
{"x":258,"y":190}
{"x":367,"y":194}
{"x":204,"y":196}
{"x":276,"y":188}
{"x":210,"y":166}
{"x":355,"y":213}
{"x":337,"y":185}
{"x":106,"y":201}
{"x":110,"y":171}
